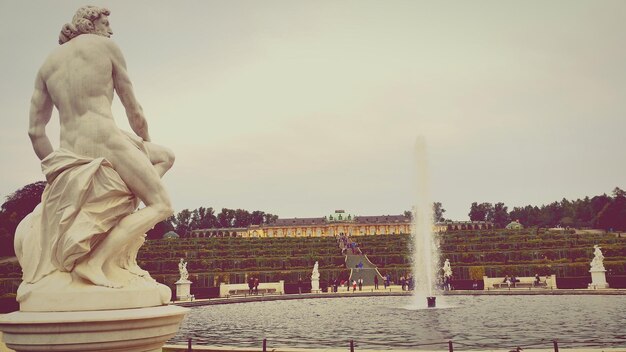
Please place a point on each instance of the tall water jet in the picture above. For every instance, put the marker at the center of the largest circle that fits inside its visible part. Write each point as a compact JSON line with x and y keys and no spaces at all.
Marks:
{"x":425,"y":253}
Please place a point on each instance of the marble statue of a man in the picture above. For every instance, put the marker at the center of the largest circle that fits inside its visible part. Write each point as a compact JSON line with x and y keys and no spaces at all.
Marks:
{"x":315,"y":274}
{"x":182,"y":270}
{"x":597,"y":263}
{"x":447,"y":269}
{"x":87,"y":224}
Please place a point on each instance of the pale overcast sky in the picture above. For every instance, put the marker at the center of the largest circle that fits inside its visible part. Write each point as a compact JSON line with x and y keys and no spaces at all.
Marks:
{"x":299,"y":108}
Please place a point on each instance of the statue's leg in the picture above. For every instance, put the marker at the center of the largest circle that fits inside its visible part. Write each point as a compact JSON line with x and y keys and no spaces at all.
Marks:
{"x":144,"y":181}
{"x":161,"y":157}
{"x":128,"y":259}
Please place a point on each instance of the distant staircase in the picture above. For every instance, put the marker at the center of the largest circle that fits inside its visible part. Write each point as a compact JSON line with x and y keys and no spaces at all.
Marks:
{"x":361,"y":268}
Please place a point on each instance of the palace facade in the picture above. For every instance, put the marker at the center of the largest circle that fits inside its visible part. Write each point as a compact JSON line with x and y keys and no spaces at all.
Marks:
{"x":336,"y":224}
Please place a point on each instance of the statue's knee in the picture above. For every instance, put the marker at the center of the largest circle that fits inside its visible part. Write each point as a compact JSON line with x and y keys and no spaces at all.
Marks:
{"x":169,"y":157}
{"x":165,"y":210}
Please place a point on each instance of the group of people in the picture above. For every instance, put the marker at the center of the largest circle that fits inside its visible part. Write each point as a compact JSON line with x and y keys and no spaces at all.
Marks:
{"x":510,"y":280}
{"x":407,"y":283}
{"x":447,"y":283}
{"x":253,"y":285}
{"x":345,"y":244}
{"x":335,"y":284}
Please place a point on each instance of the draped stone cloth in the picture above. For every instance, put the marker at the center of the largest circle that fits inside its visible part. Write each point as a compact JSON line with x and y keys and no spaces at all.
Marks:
{"x":84,"y":199}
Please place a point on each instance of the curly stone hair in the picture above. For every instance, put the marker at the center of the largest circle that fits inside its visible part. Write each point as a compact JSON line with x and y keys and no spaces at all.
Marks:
{"x":82,"y":22}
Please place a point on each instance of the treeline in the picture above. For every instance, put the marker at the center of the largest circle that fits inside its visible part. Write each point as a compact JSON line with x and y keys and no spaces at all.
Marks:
{"x":600,"y":212}
{"x":205,"y":218}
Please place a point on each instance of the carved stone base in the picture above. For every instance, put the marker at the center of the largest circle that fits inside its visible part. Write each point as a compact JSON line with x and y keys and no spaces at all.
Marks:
{"x":598,"y":279}
{"x":183,"y":290}
{"x":129,"y":330}
{"x":315,"y":286}
{"x":58,"y":292}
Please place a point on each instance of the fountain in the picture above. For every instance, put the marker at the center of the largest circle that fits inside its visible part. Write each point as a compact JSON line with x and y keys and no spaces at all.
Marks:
{"x":425,"y":252}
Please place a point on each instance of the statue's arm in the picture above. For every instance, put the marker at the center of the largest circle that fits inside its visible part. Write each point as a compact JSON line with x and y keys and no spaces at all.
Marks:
{"x":40,"y":113}
{"x":124,"y":89}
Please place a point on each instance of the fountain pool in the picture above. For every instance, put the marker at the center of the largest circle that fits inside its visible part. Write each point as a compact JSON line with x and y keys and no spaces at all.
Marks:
{"x":393,"y":322}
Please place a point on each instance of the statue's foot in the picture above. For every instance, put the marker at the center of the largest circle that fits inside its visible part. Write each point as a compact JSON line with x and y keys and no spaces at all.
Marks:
{"x":94,"y":275}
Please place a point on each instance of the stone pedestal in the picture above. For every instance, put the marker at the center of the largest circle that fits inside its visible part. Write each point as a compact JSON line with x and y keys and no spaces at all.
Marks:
{"x":315,"y":286}
{"x":128,"y":330}
{"x":183,"y":290}
{"x":598,"y":279}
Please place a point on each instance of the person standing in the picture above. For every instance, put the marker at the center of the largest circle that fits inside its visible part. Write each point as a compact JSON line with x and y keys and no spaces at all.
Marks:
{"x":250,"y":285}
{"x":375,"y":282}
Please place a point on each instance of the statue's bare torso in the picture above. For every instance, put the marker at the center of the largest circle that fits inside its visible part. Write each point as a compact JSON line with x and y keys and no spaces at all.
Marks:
{"x":79,"y":79}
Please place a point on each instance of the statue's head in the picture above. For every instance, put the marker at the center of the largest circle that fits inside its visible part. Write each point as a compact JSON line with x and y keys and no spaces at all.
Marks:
{"x":88,"y":19}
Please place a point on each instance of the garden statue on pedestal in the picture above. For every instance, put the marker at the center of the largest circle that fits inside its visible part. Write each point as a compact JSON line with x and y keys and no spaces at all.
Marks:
{"x":447,"y":275}
{"x":182,"y":269}
{"x":598,"y":273}
{"x":183,"y":285}
{"x":78,"y":248}
{"x":597,"y":263}
{"x":315,"y":279}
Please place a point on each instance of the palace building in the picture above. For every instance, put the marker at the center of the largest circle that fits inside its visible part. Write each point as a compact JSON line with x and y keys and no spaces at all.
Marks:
{"x":336,"y":224}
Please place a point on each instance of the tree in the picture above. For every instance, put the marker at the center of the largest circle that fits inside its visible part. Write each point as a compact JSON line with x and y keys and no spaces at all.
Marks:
{"x":182,"y":222}
{"x":242,"y":218}
{"x":478,"y":212}
{"x":203,"y":218}
{"x":438,"y":211}
{"x":21,"y":203}
{"x":613,"y":214}
{"x":17,"y":205}
{"x":499,"y":215}
{"x":408,"y":214}
{"x":269,"y":218}
{"x":226,"y":217}
{"x":583,"y":213}
{"x":160,"y":229}
{"x":551,"y":214}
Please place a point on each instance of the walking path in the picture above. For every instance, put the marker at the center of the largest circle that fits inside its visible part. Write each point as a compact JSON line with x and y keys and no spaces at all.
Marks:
{"x":361,"y":268}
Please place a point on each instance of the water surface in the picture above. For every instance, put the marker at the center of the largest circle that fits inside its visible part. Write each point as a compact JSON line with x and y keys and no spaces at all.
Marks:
{"x":471,"y":322}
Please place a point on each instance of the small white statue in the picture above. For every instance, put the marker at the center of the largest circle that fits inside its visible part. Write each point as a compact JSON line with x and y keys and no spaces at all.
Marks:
{"x":182,"y":269}
{"x":315,"y":275}
{"x":447,"y":270}
{"x":598,"y":260}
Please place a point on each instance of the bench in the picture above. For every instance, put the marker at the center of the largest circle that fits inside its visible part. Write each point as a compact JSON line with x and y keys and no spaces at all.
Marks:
{"x":242,"y":289}
{"x":261,"y":291}
{"x":522,"y":282}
